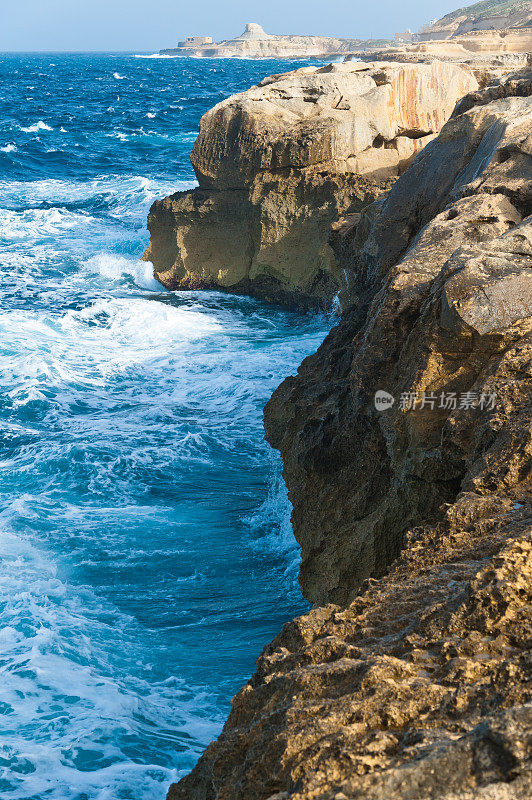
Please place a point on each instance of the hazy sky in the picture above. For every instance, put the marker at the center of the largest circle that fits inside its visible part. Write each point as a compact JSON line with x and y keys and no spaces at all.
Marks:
{"x":149,"y":25}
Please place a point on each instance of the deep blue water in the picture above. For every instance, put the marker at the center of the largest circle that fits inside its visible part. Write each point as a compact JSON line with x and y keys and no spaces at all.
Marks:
{"x":146,"y":554}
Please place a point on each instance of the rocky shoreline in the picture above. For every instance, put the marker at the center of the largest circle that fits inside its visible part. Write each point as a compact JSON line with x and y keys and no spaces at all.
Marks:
{"x":410,"y":679}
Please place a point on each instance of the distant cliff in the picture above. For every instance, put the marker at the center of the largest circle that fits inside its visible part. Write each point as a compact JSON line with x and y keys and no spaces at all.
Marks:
{"x":416,"y":684}
{"x":281,"y":162}
{"x":488,"y":15}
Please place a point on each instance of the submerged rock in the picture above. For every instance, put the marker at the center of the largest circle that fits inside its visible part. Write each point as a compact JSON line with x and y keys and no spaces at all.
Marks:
{"x":278,"y":164}
{"x":412,"y":681}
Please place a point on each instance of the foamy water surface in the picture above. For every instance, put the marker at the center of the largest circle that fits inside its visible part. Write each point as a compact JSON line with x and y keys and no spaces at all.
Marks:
{"x":146,"y":548}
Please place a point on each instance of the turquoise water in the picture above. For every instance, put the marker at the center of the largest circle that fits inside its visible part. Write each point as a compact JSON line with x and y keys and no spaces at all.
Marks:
{"x":146,"y":550}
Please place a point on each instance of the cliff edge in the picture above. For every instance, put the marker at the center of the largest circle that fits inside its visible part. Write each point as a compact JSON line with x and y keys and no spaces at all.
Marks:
{"x":276,"y":165}
{"x":415,"y":517}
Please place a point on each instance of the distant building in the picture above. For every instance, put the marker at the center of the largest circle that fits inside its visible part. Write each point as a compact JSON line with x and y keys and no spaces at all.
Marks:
{"x":196,"y":41}
{"x":405,"y":37}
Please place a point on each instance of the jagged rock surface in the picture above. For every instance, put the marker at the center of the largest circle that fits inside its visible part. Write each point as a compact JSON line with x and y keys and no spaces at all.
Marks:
{"x":279,"y":163}
{"x":469,"y":187}
{"x":419,"y":688}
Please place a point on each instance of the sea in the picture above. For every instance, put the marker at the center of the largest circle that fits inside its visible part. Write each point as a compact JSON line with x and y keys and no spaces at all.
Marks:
{"x":146,"y":552}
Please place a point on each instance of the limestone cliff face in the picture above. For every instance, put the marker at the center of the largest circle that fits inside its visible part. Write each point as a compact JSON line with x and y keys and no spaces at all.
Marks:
{"x":279,"y":163}
{"x":419,"y":686}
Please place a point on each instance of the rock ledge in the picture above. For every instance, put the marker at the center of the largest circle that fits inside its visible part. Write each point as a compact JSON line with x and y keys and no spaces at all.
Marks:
{"x":278,"y":164}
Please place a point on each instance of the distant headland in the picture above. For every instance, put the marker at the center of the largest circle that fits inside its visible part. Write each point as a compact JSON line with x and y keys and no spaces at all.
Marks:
{"x":254,"y":42}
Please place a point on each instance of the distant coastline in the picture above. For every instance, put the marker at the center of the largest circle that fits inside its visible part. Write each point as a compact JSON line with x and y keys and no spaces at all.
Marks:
{"x":254,"y":42}
{"x":483,"y":27}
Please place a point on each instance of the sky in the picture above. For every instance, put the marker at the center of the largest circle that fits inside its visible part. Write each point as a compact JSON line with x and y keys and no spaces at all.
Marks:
{"x":150,"y":25}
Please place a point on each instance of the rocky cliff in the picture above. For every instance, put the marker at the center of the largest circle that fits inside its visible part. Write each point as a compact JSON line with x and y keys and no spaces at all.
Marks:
{"x":415,"y":517}
{"x":279,"y":163}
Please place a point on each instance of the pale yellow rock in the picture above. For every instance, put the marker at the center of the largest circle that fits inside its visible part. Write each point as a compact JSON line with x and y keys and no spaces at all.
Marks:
{"x":278,"y":164}
{"x":323,"y":116}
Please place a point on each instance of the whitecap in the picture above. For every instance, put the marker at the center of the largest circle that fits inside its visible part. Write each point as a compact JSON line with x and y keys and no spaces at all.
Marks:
{"x":156,"y":55}
{"x":9,"y":148}
{"x":270,"y":525}
{"x":118,"y":77}
{"x":39,"y":126}
{"x":37,"y":223}
{"x":126,"y":197}
{"x":122,"y":137}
